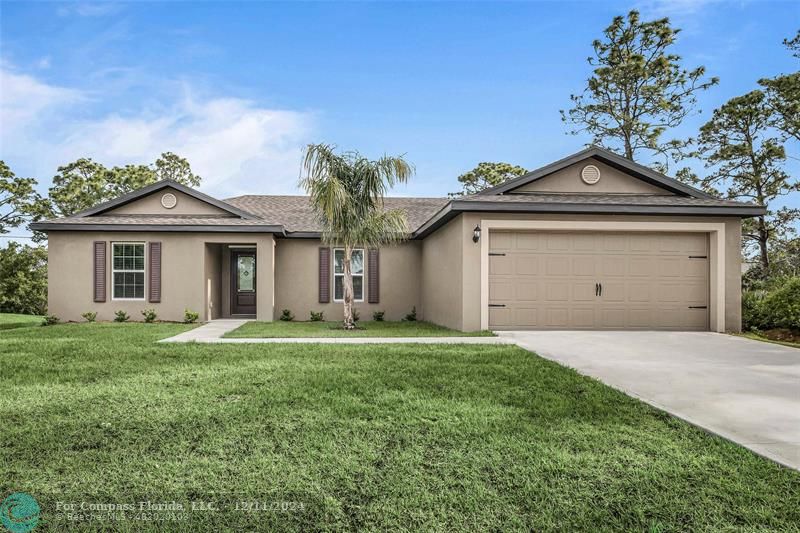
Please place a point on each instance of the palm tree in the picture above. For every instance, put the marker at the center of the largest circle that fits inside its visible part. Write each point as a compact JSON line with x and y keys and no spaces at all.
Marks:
{"x":347,"y":193}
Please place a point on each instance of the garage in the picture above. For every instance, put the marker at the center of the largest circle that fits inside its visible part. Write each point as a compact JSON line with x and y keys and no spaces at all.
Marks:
{"x":598,"y":280}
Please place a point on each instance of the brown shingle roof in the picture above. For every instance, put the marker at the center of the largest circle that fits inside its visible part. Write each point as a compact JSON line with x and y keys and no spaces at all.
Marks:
{"x":296,"y":215}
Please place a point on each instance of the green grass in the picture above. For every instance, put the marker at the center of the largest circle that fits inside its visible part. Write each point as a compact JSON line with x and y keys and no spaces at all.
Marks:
{"x":11,"y":321}
{"x":364,"y":436}
{"x":334,"y":329}
{"x":757,"y":337}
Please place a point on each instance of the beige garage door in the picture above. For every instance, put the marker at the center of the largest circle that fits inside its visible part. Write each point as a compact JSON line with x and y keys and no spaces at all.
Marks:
{"x":564,"y":280}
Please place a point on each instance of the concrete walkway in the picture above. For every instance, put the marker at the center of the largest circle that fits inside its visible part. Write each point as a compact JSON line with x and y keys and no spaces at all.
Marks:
{"x":213,"y":331}
{"x":744,"y":390}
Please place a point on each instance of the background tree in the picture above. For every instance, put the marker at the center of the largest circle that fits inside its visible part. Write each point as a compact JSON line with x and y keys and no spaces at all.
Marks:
{"x":783,"y":93}
{"x":174,"y":167}
{"x":347,"y":192}
{"x":19,"y":201}
{"x":84,"y":183}
{"x":638,"y":90}
{"x":23,"y":279}
{"x":486,"y":175}
{"x":736,"y":142}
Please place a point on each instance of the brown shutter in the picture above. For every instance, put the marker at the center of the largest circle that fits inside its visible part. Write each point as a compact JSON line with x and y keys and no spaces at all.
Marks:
{"x":324,"y":275}
{"x":373,"y":276}
{"x":99,"y":271}
{"x":154,"y":275}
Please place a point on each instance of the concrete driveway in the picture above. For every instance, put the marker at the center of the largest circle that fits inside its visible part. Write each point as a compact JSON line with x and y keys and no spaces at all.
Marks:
{"x":744,"y":390}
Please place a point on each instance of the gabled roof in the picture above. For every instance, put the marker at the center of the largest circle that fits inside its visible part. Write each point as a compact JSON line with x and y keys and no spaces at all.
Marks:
{"x":636,"y":170}
{"x":155,"y":187}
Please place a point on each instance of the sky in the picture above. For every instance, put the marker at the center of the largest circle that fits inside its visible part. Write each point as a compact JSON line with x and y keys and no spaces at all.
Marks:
{"x":240,"y":88}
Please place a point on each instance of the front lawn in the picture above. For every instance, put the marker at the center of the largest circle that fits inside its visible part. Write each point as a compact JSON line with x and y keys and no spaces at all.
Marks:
{"x":11,"y":320}
{"x":281,"y":328}
{"x":376,"y":437}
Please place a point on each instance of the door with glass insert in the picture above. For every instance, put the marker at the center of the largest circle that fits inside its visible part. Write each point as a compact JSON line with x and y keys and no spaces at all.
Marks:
{"x":243,"y":282}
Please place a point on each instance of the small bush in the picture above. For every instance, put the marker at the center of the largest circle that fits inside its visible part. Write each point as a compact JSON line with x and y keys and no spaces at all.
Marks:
{"x":121,"y":316}
{"x":412,"y":316}
{"x":189,"y":316}
{"x":286,"y":315}
{"x":50,"y":320}
{"x":377,"y":316}
{"x":317,"y":317}
{"x":753,"y":310}
{"x":356,"y":315}
{"x":89,"y":316}
{"x":782,"y":305}
{"x":149,"y":315}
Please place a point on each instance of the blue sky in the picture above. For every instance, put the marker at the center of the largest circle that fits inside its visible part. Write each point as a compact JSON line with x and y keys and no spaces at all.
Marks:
{"x":240,"y":88}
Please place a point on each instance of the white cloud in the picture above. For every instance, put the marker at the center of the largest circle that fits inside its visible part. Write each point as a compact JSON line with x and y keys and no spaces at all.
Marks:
{"x":24,"y":100}
{"x":89,"y":9}
{"x":236,"y":145}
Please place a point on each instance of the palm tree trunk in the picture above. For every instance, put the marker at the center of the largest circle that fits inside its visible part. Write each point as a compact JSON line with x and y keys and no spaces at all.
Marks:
{"x":348,"y":289}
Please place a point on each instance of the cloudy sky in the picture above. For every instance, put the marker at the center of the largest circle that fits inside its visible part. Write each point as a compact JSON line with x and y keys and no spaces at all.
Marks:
{"x":240,"y":88}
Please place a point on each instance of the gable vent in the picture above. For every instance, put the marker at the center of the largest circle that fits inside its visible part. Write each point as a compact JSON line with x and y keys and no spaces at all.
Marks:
{"x":169,"y":200}
{"x":590,"y":174}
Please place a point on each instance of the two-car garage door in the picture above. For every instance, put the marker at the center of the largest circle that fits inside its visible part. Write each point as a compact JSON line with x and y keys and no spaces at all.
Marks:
{"x":598,"y":280}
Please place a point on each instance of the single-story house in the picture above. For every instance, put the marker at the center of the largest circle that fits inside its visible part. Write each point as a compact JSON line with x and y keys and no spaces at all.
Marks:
{"x":592,"y":241}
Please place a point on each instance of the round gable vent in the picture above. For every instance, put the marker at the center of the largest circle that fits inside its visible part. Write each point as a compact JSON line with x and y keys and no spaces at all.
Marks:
{"x":169,"y":200}
{"x":590,"y":174}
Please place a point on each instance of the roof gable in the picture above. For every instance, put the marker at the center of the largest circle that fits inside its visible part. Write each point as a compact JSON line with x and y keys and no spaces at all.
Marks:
{"x":652,"y":181}
{"x":147,"y":200}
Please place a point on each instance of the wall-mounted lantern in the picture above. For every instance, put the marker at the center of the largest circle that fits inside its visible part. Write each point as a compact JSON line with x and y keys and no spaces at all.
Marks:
{"x":476,"y":234}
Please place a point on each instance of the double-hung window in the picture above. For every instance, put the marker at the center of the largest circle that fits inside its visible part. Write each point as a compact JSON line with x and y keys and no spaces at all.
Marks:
{"x":356,"y":267}
{"x":127,"y":270}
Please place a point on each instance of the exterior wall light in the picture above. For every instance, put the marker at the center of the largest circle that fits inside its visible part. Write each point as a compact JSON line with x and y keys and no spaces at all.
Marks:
{"x":476,"y":234}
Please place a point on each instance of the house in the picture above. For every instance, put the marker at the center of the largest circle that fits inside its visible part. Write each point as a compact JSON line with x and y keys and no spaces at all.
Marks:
{"x":592,"y":241}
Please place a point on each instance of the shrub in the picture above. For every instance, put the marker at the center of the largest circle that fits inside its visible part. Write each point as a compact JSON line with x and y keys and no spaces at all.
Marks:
{"x":753,"y":310}
{"x":286,"y":315}
{"x":189,"y":316}
{"x":149,"y":315}
{"x":89,"y":316}
{"x":23,"y":279}
{"x":777,"y":306}
{"x":782,"y":305}
{"x":317,"y":317}
{"x":412,"y":316}
{"x":356,"y":315}
{"x":377,"y":316}
{"x":50,"y":320}
{"x":121,"y":316}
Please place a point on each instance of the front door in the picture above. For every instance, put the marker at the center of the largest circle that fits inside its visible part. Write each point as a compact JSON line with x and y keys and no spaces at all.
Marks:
{"x":243,"y":282}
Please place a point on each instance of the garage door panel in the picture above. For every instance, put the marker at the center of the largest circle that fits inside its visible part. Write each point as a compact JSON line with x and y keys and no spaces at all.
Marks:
{"x":695,"y":268}
{"x":583,"y":292}
{"x":557,"y":291}
{"x":557,"y":265}
{"x":501,"y":317}
{"x":584,"y":265}
{"x":614,"y":266}
{"x":501,"y":290}
{"x":526,"y":265}
{"x":528,"y":241}
{"x":501,"y":240}
{"x":548,"y":280}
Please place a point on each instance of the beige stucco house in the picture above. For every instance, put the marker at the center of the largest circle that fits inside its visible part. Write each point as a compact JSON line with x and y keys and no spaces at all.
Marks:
{"x":592,"y":241}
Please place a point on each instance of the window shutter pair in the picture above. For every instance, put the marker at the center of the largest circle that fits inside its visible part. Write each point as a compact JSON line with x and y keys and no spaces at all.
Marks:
{"x":153,"y":277}
{"x":373,"y":275}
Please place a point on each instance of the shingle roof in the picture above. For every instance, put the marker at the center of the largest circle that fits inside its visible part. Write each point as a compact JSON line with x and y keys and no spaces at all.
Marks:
{"x":296,"y":215}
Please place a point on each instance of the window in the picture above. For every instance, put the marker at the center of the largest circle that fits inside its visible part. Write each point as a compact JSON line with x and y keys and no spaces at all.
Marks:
{"x":127,"y":270}
{"x":356,"y":267}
